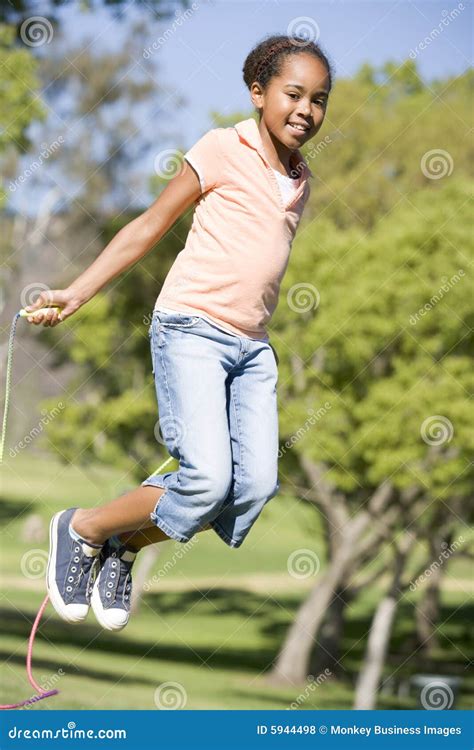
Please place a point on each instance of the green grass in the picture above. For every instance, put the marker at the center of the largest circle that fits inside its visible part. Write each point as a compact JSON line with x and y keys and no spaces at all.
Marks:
{"x":213,"y":624}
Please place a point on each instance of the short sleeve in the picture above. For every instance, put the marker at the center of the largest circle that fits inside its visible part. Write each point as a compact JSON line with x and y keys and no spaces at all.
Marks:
{"x":205,"y":157}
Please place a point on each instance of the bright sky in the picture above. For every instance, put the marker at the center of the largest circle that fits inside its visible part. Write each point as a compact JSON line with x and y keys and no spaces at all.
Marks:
{"x":202,"y":58}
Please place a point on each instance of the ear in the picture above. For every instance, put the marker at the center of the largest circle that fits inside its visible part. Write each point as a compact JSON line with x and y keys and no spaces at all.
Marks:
{"x":256,"y":95}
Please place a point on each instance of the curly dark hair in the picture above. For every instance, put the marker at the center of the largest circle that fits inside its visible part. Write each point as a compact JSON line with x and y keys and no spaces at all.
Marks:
{"x":266,"y":59}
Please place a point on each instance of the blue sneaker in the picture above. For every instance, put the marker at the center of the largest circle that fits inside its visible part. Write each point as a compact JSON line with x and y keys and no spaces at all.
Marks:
{"x":72,"y":566}
{"x":112,"y":589}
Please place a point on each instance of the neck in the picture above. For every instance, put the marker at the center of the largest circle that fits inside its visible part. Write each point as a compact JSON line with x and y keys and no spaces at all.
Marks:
{"x":279,"y":156}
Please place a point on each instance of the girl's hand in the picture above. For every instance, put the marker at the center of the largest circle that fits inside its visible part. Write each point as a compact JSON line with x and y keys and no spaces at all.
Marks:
{"x":67,"y":301}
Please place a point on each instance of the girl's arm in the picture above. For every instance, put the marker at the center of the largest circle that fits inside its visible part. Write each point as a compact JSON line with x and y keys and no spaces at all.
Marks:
{"x":130,"y":244}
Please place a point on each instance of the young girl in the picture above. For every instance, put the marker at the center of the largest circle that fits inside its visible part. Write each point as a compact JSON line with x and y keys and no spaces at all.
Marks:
{"x":215,"y":370}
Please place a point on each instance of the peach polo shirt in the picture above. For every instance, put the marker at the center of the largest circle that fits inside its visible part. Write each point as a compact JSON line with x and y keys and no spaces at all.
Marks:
{"x":238,"y":247}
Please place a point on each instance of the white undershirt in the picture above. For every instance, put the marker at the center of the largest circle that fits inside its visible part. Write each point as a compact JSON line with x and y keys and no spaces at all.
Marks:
{"x":287,"y":185}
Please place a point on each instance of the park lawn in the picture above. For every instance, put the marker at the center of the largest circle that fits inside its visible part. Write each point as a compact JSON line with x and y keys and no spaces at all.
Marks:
{"x":212,"y":625}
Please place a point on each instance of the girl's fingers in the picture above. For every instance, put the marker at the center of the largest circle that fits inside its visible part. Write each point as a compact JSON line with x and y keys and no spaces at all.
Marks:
{"x":50,"y":318}
{"x":46,"y":319}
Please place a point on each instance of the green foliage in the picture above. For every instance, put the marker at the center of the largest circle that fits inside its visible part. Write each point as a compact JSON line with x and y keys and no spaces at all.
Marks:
{"x":19,"y":105}
{"x":111,"y":404}
{"x":379,"y":126}
{"x":389,"y":346}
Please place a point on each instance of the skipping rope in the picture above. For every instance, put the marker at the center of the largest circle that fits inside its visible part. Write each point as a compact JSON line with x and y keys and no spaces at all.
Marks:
{"x":40,"y":694}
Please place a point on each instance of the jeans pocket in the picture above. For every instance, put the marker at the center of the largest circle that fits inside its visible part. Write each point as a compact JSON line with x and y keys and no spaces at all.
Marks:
{"x":152,"y":348}
{"x":178,"y":320}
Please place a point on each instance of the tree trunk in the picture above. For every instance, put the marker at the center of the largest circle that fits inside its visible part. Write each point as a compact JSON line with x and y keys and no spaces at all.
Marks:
{"x":292,"y":662}
{"x":427,"y":615}
{"x":379,"y":637}
{"x":328,"y":651}
{"x":428,"y":609}
{"x":145,"y":562}
{"x":374,"y":660}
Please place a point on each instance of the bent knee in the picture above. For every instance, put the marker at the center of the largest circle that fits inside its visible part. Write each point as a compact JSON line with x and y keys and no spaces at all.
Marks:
{"x":213,"y":483}
{"x":264,"y":487}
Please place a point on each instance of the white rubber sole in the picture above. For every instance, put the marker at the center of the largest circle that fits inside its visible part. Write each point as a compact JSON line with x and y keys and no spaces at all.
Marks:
{"x":104,"y":617}
{"x":72,"y":613}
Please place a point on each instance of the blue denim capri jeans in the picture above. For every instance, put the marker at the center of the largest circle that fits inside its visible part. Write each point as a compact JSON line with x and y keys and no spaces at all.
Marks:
{"x":217,"y":404}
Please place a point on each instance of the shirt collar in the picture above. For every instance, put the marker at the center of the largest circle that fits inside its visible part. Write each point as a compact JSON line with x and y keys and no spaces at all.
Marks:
{"x":249,"y":132}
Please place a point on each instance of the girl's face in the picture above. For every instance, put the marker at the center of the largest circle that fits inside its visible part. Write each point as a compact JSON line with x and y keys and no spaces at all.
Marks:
{"x":299,"y":96}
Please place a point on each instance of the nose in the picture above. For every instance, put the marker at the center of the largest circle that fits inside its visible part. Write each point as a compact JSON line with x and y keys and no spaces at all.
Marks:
{"x":304,"y":108}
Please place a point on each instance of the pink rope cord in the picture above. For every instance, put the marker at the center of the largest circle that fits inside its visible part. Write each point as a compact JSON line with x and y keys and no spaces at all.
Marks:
{"x":41,"y":693}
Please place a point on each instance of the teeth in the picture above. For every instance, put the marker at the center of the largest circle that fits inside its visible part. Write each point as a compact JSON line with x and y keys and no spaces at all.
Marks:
{"x":298,"y":127}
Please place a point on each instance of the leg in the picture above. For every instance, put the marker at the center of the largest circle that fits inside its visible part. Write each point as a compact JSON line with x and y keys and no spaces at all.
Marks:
{"x":191,"y":366}
{"x":129,"y":511}
{"x":253,"y":420}
{"x":139,"y":539}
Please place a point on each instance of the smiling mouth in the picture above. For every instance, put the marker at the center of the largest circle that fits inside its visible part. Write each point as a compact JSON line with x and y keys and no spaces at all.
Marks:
{"x":300,"y":131}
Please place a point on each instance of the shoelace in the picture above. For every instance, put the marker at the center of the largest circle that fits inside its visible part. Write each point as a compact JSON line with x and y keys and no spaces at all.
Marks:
{"x":86,"y":567}
{"x":124,"y":568}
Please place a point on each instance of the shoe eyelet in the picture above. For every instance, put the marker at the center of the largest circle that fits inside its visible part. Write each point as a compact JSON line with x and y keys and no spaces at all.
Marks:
{"x":112,"y":575}
{"x":77,"y":549}
{"x":68,"y":588}
{"x":70,"y":578}
{"x":76,"y":559}
{"x":110,"y":584}
{"x":73,"y":569}
{"x":114,"y":564}
{"x":108,"y":594}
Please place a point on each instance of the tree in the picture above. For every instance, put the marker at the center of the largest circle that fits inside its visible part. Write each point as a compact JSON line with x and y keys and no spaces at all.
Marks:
{"x":19,"y":105}
{"x":387,"y":134}
{"x":380,"y":399}
{"x":69,"y":207}
{"x":14,"y":11}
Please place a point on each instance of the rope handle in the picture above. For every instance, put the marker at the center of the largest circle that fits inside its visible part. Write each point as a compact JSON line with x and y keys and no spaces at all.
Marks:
{"x":24,"y":313}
